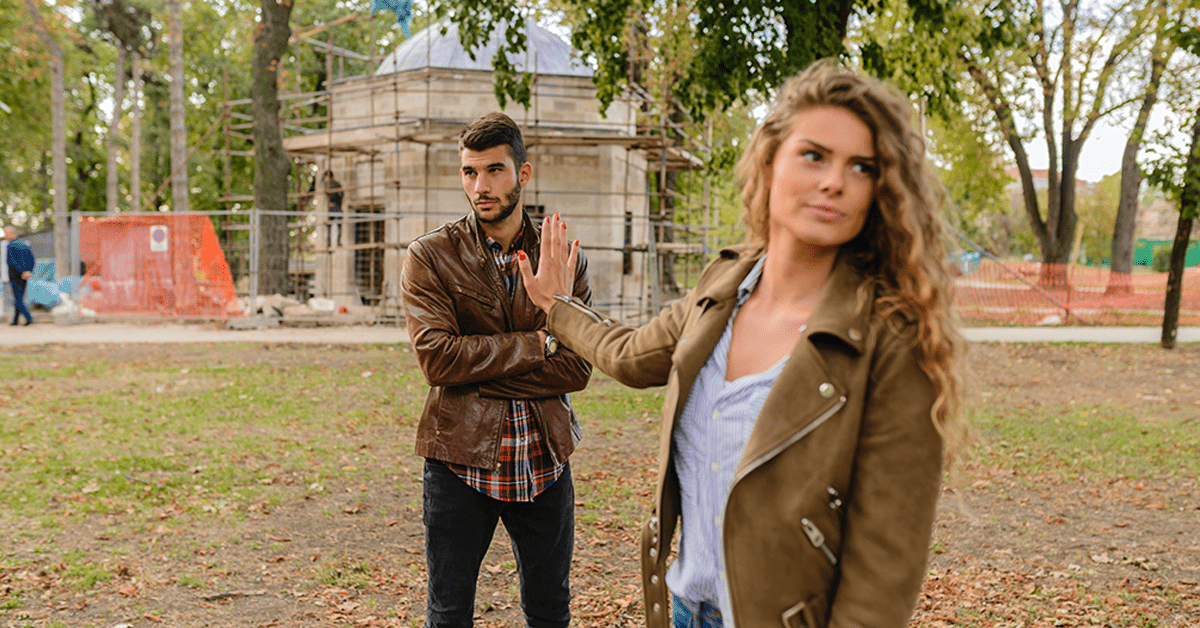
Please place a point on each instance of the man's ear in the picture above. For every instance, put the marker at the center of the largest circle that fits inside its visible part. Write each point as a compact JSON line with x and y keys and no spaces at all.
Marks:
{"x":525,"y":173}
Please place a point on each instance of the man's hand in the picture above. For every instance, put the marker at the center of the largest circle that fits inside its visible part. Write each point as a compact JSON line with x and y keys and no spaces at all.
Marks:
{"x":26,"y":275}
{"x":556,"y":268}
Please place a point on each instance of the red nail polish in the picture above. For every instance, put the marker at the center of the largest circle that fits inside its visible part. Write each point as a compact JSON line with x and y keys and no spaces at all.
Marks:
{"x":521,"y":254}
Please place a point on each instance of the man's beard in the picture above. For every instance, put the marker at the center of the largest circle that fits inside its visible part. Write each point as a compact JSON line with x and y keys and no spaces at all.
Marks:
{"x":508,"y":205}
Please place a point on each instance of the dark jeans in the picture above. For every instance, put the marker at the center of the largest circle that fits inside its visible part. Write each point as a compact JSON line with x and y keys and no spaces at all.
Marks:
{"x":459,"y":524}
{"x":18,"y":288}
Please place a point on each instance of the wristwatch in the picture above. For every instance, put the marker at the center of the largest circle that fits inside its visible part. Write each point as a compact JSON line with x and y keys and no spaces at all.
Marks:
{"x":551,"y":345}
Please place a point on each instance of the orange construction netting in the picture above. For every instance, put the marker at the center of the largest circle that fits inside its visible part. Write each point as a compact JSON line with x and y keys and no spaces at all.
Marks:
{"x":163,"y":265}
{"x":1025,"y":293}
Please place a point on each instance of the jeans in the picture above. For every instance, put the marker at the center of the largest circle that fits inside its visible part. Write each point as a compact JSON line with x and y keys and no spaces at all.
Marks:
{"x":18,"y":288}
{"x":693,"y":615}
{"x":459,"y":524}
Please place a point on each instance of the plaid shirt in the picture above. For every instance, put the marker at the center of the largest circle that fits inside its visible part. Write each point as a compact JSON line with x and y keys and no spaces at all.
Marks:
{"x":526,"y":468}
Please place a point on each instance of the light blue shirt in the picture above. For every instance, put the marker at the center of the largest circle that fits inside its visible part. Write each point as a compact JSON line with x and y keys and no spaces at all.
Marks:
{"x":706,"y":447}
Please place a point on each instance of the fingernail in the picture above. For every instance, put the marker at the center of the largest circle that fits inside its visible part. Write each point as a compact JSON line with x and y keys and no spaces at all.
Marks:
{"x":577,"y":243}
{"x":521,"y":254}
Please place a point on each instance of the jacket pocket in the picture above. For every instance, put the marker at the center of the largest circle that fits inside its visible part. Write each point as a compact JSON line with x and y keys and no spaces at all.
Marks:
{"x":480,"y":297}
{"x":807,"y":614}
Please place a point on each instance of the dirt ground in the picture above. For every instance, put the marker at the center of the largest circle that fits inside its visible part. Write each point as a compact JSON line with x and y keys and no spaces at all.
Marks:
{"x":1008,"y":550}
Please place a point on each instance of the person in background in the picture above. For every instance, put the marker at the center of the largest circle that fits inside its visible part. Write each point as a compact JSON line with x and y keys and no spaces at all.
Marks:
{"x":20,"y":268}
{"x":333,"y":190}
{"x":498,"y":427}
{"x":813,"y":380}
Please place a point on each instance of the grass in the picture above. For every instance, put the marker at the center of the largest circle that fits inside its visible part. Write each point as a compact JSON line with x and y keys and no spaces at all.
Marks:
{"x":99,"y":435}
{"x":138,"y":446}
{"x":1096,"y":440}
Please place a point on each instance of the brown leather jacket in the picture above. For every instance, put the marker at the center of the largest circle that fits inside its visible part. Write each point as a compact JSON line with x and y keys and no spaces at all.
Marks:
{"x":478,"y":348}
{"x":828,"y":520}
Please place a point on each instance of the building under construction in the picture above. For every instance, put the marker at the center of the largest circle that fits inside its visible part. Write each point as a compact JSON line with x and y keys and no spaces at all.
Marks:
{"x":390,"y":142}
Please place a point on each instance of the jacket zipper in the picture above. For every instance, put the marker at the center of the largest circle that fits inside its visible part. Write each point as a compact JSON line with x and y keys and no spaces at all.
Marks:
{"x":488,"y":266}
{"x":760,"y":461}
{"x":590,"y":314}
{"x":817,"y":539}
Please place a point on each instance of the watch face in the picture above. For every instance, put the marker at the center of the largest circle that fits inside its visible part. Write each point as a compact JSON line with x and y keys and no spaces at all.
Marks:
{"x":551,"y":345}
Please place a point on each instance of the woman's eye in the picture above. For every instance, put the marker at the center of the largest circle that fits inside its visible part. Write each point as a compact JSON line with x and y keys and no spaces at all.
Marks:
{"x":811,"y":155}
{"x":865,"y":169}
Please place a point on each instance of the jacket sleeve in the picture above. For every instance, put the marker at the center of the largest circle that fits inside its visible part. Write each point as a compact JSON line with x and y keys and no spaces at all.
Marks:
{"x":890,"y":511}
{"x":446,"y":357}
{"x":564,"y":373}
{"x":638,"y":357}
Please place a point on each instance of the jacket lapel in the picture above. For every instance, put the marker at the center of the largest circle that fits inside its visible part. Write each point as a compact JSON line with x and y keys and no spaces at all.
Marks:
{"x":714,"y":303}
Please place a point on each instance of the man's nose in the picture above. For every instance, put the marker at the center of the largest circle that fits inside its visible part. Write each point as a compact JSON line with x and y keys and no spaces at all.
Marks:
{"x":482,"y":185}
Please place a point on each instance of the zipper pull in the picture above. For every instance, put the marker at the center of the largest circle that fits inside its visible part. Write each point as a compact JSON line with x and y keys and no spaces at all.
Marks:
{"x":818,"y":540}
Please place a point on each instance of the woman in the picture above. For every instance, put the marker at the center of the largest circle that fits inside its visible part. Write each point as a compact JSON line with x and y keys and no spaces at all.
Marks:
{"x":811,"y":375}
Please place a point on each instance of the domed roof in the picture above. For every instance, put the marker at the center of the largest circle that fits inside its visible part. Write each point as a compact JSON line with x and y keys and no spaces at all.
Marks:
{"x":430,"y":48}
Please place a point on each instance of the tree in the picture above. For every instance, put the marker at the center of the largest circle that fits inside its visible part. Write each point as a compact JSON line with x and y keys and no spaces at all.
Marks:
{"x":1183,"y":186}
{"x":1121,"y":257}
{"x":62,"y":251}
{"x":1068,"y":65}
{"x":271,"y":161}
{"x":179,"y":143}
{"x":124,"y":23}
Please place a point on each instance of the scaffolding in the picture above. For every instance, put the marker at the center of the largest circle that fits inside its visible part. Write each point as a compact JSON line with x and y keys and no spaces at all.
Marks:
{"x":388,"y":133}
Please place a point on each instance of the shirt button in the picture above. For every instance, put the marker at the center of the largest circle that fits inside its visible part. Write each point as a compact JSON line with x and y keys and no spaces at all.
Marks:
{"x":716,"y":466}
{"x":826,"y":390}
{"x":716,"y":414}
{"x":717,"y":520}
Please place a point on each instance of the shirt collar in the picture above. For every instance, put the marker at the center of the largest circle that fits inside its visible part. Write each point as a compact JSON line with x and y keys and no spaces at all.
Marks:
{"x":751,"y":281}
{"x":512,"y":248}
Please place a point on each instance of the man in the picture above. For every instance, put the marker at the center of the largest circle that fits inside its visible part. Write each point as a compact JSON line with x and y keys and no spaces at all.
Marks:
{"x":20,"y":268}
{"x":498,"y":425}
{"x":333,"y":190}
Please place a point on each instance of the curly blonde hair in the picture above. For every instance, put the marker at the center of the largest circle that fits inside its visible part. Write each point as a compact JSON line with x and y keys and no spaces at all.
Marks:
{"x":901,"y":245}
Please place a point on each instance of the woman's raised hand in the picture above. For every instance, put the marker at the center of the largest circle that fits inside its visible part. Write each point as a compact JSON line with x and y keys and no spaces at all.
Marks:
{"x":556,"y":268}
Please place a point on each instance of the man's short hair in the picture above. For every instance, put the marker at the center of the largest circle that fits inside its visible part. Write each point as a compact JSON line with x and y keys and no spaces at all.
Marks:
{"x":494,"y":129}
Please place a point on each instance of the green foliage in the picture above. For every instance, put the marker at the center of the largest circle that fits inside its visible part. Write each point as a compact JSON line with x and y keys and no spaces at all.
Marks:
{"x":736,"y":48}
{"x":1161,"y":262}
{"x":1097,"y":209}
{"x":970,"y":165}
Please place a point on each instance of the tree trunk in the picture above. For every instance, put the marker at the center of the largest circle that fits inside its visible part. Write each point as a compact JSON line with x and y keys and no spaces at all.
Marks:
{"x":179,"y":170}
{"x":58,"y":143}
{"x":112,"y":192}
{"x":1189,"y":209}
{"x":271,"y":162}
{"x":135,"y":136}
{"x":1121,"y":255}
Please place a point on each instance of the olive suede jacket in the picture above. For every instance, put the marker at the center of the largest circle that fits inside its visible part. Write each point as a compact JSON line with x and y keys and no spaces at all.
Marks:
{"x":478,"y":348}
{"x":829,"y":516}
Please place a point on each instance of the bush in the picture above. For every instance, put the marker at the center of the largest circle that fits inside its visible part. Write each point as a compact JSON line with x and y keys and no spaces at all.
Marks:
{"x":1162,"y":259}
